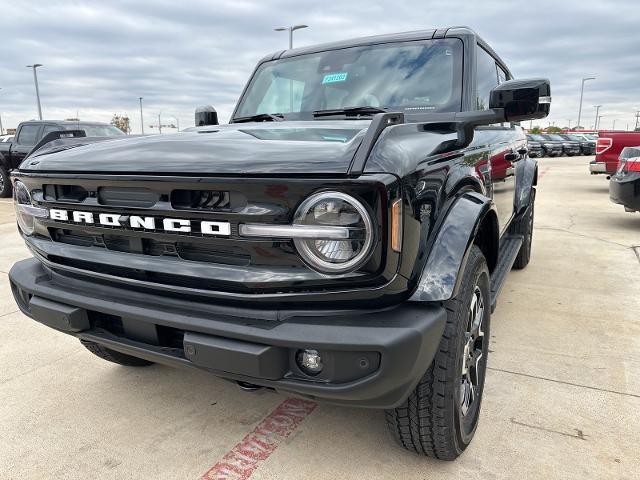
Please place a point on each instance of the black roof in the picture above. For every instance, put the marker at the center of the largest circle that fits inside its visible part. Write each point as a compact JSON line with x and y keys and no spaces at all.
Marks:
{"x":447,"y":32}
{"x":68,"y":122}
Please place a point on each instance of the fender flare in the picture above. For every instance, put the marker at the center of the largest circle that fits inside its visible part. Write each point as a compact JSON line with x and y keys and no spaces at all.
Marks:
{"x":440,"y":277}
{"x":526,"y":178}
{"x":4,"y":163}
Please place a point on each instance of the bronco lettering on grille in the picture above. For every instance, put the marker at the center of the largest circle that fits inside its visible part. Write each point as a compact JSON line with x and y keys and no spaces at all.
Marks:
{"x":135,"y":222}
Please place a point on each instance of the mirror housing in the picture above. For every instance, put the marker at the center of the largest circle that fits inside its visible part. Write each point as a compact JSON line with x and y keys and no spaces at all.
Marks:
{"x":528,"y":99}
{"x":206,"y":115}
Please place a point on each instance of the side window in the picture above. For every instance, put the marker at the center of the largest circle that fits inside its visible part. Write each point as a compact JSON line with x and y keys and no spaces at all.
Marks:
{"x":49,"y":129}
{"x":486,"y":78}
{"x":28,"y":135}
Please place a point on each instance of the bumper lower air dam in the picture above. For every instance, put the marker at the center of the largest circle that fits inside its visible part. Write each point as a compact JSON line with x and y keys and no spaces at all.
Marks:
{"x":370,"y":360}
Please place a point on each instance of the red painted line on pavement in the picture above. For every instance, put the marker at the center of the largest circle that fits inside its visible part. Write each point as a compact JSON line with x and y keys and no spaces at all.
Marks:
{"x":243,"y":459}
{"x":544,"y":170}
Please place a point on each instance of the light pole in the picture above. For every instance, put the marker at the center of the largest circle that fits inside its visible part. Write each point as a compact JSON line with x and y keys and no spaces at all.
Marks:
{"x":581,"y":95}
{"x":290,"y":29}
{"x":35,"y":80}
{"x":637,"y":119}
{"x":141,"y":116}
{"x":1,"y":129}
{"x":597,"y":107}
{"x":614,"y":124}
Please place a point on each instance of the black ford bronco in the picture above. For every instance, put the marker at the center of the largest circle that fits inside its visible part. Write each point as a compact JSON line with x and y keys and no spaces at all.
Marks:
{"x":343,"y":238}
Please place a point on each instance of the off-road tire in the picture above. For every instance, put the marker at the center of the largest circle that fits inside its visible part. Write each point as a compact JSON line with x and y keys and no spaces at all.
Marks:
{"x":113,"y":356}
{"x":5,"y":184}
{"x":524,"y":226}
{"x":429,"y":421}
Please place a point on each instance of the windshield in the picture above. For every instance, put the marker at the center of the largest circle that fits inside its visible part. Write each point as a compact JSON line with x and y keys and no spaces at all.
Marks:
{"x":552,"y":136}
{"x":409,"y":77}
{"x":537,"y":138}
{"x":96,"y":130}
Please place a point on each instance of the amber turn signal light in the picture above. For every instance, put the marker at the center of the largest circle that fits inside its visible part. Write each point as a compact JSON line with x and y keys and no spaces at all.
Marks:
{"x":396,"y":225}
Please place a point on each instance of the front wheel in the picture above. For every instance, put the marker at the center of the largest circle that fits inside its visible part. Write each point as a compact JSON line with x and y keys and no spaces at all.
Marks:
{"x":114,"y":356}
{"x":5,"y":184}
{"x":440,"y":416}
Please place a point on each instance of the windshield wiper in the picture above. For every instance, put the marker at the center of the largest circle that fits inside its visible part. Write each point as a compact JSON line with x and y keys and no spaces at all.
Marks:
{"x":351,"y":111}
{"x":261,"y":117}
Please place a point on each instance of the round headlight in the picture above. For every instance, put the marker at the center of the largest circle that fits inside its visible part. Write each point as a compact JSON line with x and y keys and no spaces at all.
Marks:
{"x":332,"y":255}
{"x":21,"y":196}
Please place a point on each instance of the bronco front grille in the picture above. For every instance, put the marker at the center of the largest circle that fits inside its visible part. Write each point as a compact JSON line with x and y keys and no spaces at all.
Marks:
{"x":196,"y":259}
{"x":152,"y":247}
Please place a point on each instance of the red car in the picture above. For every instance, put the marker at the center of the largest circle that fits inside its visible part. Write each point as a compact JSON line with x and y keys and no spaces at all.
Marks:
{"x":608,"y":149}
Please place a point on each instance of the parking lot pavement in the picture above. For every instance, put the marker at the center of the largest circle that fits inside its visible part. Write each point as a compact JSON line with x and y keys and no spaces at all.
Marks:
{"x":561,"y":397}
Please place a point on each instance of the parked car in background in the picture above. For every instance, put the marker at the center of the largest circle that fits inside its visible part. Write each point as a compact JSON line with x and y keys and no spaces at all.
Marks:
{"x":587,"y":147}
{"x":569,"y":147}
{"x":608,"y":149}
{"x":535,"y":147}
{"x":624,"y":187}
{"x":550,"y":148}
{"x":30,"y":133}
{"x":593,"y":137}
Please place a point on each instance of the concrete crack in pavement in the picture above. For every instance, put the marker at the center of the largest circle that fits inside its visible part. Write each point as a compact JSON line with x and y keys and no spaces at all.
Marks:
{"x":636,"y":250}
{"x":579,"y":433}
{"x":592,"y":237}
{"x":598,"y":389}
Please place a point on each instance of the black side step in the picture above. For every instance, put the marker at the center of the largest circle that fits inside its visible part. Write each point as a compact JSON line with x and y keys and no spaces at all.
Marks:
{"x":509,"y":248}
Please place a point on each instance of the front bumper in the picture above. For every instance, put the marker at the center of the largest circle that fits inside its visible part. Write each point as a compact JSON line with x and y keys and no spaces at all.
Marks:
{"x":371,"y":359}
{"x":553,"y":151}
{"x":597,"y":167}
{"x":625,"y":190}
{"x":536,"y":152}
{"x":572,"y":150}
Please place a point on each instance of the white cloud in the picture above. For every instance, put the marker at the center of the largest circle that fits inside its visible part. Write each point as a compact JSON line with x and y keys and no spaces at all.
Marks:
{"x":99,"y":57}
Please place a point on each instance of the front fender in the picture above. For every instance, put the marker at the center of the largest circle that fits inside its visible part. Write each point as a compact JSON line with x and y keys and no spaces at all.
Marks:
{"x":440,"y":277}
{"x":4,"y":163}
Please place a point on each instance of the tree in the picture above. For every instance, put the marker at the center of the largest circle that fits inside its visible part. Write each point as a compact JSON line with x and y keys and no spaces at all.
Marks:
{"x":535,"y":129}
{"x":553,"y":129}
{"x":121,"y":122}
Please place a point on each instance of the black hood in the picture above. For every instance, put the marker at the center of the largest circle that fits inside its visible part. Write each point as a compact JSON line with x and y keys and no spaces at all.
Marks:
{"x":320,"y":147}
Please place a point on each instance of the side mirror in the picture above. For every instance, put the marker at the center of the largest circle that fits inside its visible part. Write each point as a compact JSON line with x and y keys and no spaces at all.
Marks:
{"x":522,"y":99}
{"x":206,"y":115}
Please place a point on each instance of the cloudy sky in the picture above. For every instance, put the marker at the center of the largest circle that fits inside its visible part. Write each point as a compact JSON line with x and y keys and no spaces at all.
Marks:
{"x":99,"y":57}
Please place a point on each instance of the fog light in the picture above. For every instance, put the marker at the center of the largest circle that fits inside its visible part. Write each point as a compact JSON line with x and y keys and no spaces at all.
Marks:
{"x":309,"y":361}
